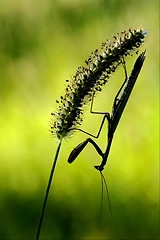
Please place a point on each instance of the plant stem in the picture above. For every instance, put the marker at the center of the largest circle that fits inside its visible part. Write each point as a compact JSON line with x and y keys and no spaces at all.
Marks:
{"x":48,"y":187}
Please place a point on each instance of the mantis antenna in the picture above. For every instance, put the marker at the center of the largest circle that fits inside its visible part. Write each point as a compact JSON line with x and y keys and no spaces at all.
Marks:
{"x":103,"y":180}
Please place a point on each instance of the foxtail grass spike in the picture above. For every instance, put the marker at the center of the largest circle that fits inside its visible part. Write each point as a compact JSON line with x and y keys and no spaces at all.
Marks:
{"x":90,"y":78}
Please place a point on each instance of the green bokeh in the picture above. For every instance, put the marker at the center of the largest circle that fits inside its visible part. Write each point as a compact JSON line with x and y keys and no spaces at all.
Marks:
{"x":41,"y":44}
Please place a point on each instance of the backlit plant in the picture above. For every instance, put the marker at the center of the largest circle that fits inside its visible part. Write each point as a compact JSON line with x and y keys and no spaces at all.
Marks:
{"x":87,"y":81}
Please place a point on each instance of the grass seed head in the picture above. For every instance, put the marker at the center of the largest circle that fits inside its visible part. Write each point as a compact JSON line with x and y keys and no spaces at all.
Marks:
{"x":90,"y":78}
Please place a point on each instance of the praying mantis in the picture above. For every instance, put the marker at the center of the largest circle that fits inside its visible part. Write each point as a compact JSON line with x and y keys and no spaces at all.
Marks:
{"x":113,"y":119}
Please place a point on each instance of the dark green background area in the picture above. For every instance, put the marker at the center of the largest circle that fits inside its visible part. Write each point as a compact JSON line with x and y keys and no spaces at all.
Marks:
{"x":41,"y":45}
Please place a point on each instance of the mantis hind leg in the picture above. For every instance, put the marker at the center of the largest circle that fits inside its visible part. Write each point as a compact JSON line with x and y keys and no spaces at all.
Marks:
{"x":126,"y":77}
{"x":116,"y":99}
{"x":91,"y":111}
{"x":106,"y":115}
{"x":99,"y":131}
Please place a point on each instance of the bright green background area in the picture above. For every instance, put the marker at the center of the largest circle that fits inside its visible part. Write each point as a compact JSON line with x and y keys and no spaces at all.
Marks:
{"x":41,"y":44}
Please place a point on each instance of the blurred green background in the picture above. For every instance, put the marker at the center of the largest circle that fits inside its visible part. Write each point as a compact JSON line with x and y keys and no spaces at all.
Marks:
{"x":41,"y":45}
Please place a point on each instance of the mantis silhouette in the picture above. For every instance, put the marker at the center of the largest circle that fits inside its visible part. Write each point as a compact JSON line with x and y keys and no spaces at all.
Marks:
{"x":113,"y":119}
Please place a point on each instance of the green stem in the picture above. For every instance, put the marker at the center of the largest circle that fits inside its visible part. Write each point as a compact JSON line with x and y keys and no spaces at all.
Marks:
{"x":48,"y":188}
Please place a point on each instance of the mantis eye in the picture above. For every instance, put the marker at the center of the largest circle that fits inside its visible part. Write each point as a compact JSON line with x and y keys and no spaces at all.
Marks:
{"x":99,"y":168}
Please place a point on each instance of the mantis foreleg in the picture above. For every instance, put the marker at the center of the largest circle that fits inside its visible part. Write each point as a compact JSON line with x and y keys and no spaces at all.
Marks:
{"x":76,"y":151}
